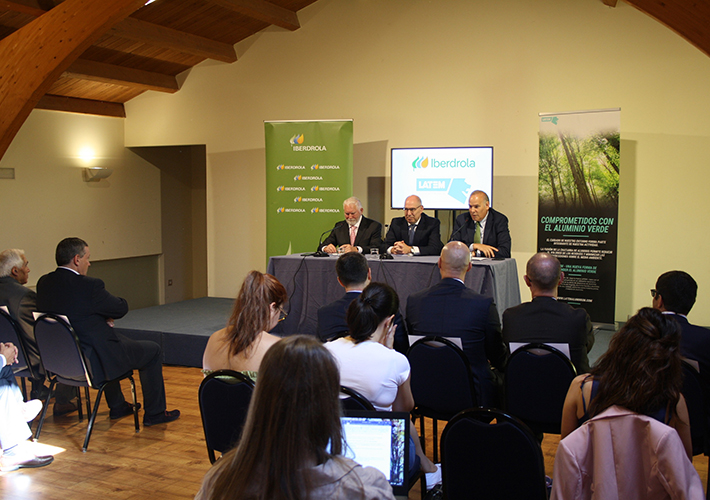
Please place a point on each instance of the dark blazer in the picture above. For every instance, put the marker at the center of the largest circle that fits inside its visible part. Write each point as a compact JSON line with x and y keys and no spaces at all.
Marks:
{"x":332,"y":323}
{"x":369,"y":235}
{"x":546,"y":320}
{"x":695,"y":344}
{"x":88,"y":305}
{"x":427,"y":236}
{"x":22,"y":302}
{"x":496,"y":234}
{"x":449,"y":309}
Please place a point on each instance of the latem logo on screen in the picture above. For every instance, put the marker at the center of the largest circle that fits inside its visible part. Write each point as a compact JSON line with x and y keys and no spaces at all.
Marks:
{"x":297,"y":144}
{"x":425,"y":162}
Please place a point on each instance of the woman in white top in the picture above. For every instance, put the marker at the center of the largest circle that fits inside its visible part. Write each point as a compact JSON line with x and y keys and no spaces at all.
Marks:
{"x":242,"y":344}
{"x":369,"y":364}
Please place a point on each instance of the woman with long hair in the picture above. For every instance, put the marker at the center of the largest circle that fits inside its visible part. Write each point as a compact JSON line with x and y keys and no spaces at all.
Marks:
{"x":369,"y":364}
{"x":242,"y":344}
{"x":640,"y":371}
{"x":292,"y":440}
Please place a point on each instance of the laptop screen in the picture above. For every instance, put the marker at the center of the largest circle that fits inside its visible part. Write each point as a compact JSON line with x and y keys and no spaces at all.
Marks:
{"x":379,"y":439}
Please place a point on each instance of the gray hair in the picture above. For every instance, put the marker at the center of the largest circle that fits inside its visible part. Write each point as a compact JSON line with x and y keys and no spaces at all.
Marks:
{"x":353,"y":201}
{"x":10,"y":259}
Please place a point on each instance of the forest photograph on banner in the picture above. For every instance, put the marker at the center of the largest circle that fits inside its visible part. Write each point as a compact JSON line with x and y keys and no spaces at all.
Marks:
{"x":578,"y":201}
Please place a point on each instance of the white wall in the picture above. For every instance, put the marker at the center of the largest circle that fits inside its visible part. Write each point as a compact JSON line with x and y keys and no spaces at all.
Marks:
{"x":48,"y":200}
{"x":452,"y":73}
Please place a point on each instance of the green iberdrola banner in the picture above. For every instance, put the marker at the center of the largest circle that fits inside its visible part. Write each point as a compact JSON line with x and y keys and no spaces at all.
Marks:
{"x":309,"y":172}
{"x":578,"y":206}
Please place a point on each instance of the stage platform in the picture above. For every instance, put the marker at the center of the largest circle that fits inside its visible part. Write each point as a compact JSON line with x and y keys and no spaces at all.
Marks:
{"x":181,"y":328}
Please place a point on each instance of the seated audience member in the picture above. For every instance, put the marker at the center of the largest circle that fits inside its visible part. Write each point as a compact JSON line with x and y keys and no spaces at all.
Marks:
{"x":354,"y":275}
{"x":450,"y":309}
{"x":674,"y":295}
{"x":369,"y":364}
{"x":292,"y":442}
{"x":91,"y":310}
{"x":416,"y":233}
{"x":241,"y":345}
{"x":356,"y":234}
{"x":482,"y":229}
{"x":14,"y":415}
{"x":640,"y":371}
{"x":546,"y":320}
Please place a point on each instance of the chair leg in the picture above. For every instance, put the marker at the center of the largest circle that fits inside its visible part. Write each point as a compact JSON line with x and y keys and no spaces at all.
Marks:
{"x":135,"y":405}
{"x":707,"y":486}
{"x":435,"y":438}
{"x":44,"y":408}
{"x":422,"y":433}
{"x":23,"y":381}
{"x":92,"y":418}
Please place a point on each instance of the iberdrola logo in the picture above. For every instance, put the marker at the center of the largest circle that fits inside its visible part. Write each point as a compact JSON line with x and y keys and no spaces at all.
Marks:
{"x":281,"y":188}
{"x":296,"y":139}
{"x":314,"y":167}
{"x":280,"y":167}
{"x":297,"y":177}
{"x":280,"y":210}
{"x":420,"y":163}
{"x":314,"y":188}
{"x":314,"y":210}
{"x":297,"y":199}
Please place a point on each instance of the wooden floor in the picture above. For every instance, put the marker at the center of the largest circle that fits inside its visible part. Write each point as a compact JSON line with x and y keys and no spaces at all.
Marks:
{"x":161,"y":462}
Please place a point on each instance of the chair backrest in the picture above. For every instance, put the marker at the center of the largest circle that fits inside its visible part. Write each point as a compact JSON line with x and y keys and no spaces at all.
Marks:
{"x":695,"y":401}
{"x":224,"y":397}
{"x":537,"y":379}
{"x":441,"y":377}
{"x":10,"y":332}
{"x":60,"y":350}
{"x":353,"y":400}
{"x":500,"y":460}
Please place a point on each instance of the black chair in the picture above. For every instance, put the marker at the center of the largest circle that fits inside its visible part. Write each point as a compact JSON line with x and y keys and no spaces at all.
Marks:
{"x":354,"y":400}
{"x":64,"y":362}
{"x":481,"y":459}
{"x":10,"y":331}
{"x":695,"y":400}
{"x":224,"y":397}
{"x":537,"y":378}
{"x":442,"y":382}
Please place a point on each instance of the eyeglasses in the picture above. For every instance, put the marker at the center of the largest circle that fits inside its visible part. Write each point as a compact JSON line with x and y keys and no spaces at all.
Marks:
{"x":412,"y":209}
{"x":282,"y":314}
{"x":654,"y":292}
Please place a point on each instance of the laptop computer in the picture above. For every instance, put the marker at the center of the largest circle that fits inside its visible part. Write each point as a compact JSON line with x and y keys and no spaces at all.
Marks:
{"x":380,"y":439}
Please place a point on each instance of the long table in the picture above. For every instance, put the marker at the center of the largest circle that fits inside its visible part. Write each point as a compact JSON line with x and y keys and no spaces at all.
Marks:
{"x":311,"y":283}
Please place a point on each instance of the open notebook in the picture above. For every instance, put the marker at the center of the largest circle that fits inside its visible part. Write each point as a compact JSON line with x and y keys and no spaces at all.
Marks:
{"x":380,"y":439}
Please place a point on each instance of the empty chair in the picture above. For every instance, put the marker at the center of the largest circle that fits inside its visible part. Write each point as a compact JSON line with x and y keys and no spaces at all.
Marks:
{"x":10,"y":332}
{"x":492,"y":460}
{"x":224,"y":398}
{"x":65,"y":362}
{"x":537,"y":379}
{"x":441,"y":381}
{"x":353,"y":400}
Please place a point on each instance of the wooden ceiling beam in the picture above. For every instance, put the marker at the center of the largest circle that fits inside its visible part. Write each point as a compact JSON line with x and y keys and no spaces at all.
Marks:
{"x":153,"y":34}
{"x":688,"y":19}
{"x":263,"y":11}
{"x":84,"y":106}
{"x":121,"y":75}
{"x":33,"y":57}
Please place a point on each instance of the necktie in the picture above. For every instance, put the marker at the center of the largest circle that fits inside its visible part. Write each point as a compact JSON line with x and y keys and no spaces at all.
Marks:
{"x":477,"y":233}
{"x":412,"y":228}
{"x":352,"y":235}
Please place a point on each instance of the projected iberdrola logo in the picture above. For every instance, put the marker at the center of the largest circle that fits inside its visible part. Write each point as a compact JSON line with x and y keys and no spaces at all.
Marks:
{"x":420,"y":163}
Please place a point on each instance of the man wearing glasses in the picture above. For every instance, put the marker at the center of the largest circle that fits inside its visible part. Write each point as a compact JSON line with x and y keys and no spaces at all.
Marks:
{"x":414,"y":234}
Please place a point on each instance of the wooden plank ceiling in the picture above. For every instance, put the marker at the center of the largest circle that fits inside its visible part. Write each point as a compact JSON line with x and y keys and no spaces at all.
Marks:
{"x":148,"y":49}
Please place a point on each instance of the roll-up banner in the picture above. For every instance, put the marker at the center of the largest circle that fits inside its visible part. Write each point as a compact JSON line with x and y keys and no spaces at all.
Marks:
{"x":309,"y":172}
{"x":578,"y":206}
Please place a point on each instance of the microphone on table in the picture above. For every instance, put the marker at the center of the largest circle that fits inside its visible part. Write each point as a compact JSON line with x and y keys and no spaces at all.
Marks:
{"x":321,"y":253}
{"x":384,"y":255}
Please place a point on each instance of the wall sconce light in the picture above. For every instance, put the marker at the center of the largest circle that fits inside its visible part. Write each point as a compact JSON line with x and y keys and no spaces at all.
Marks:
{"x":95,"y":174}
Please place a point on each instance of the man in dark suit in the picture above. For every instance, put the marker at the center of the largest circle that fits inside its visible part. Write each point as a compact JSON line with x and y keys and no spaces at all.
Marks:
{"x":416,"y":233}
{"x":449,"y":309}
{"x":356,"y":234}
{"x":354,"y":275}
{"x":546,"y":320}
{"x":675,"y":294}
{"x":91,"y":310}
{"x":484,"y":230}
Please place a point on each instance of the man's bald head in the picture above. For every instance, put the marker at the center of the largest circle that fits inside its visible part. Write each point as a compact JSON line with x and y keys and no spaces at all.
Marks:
{"x":455,"y":260}
{"x":543,"y":272}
